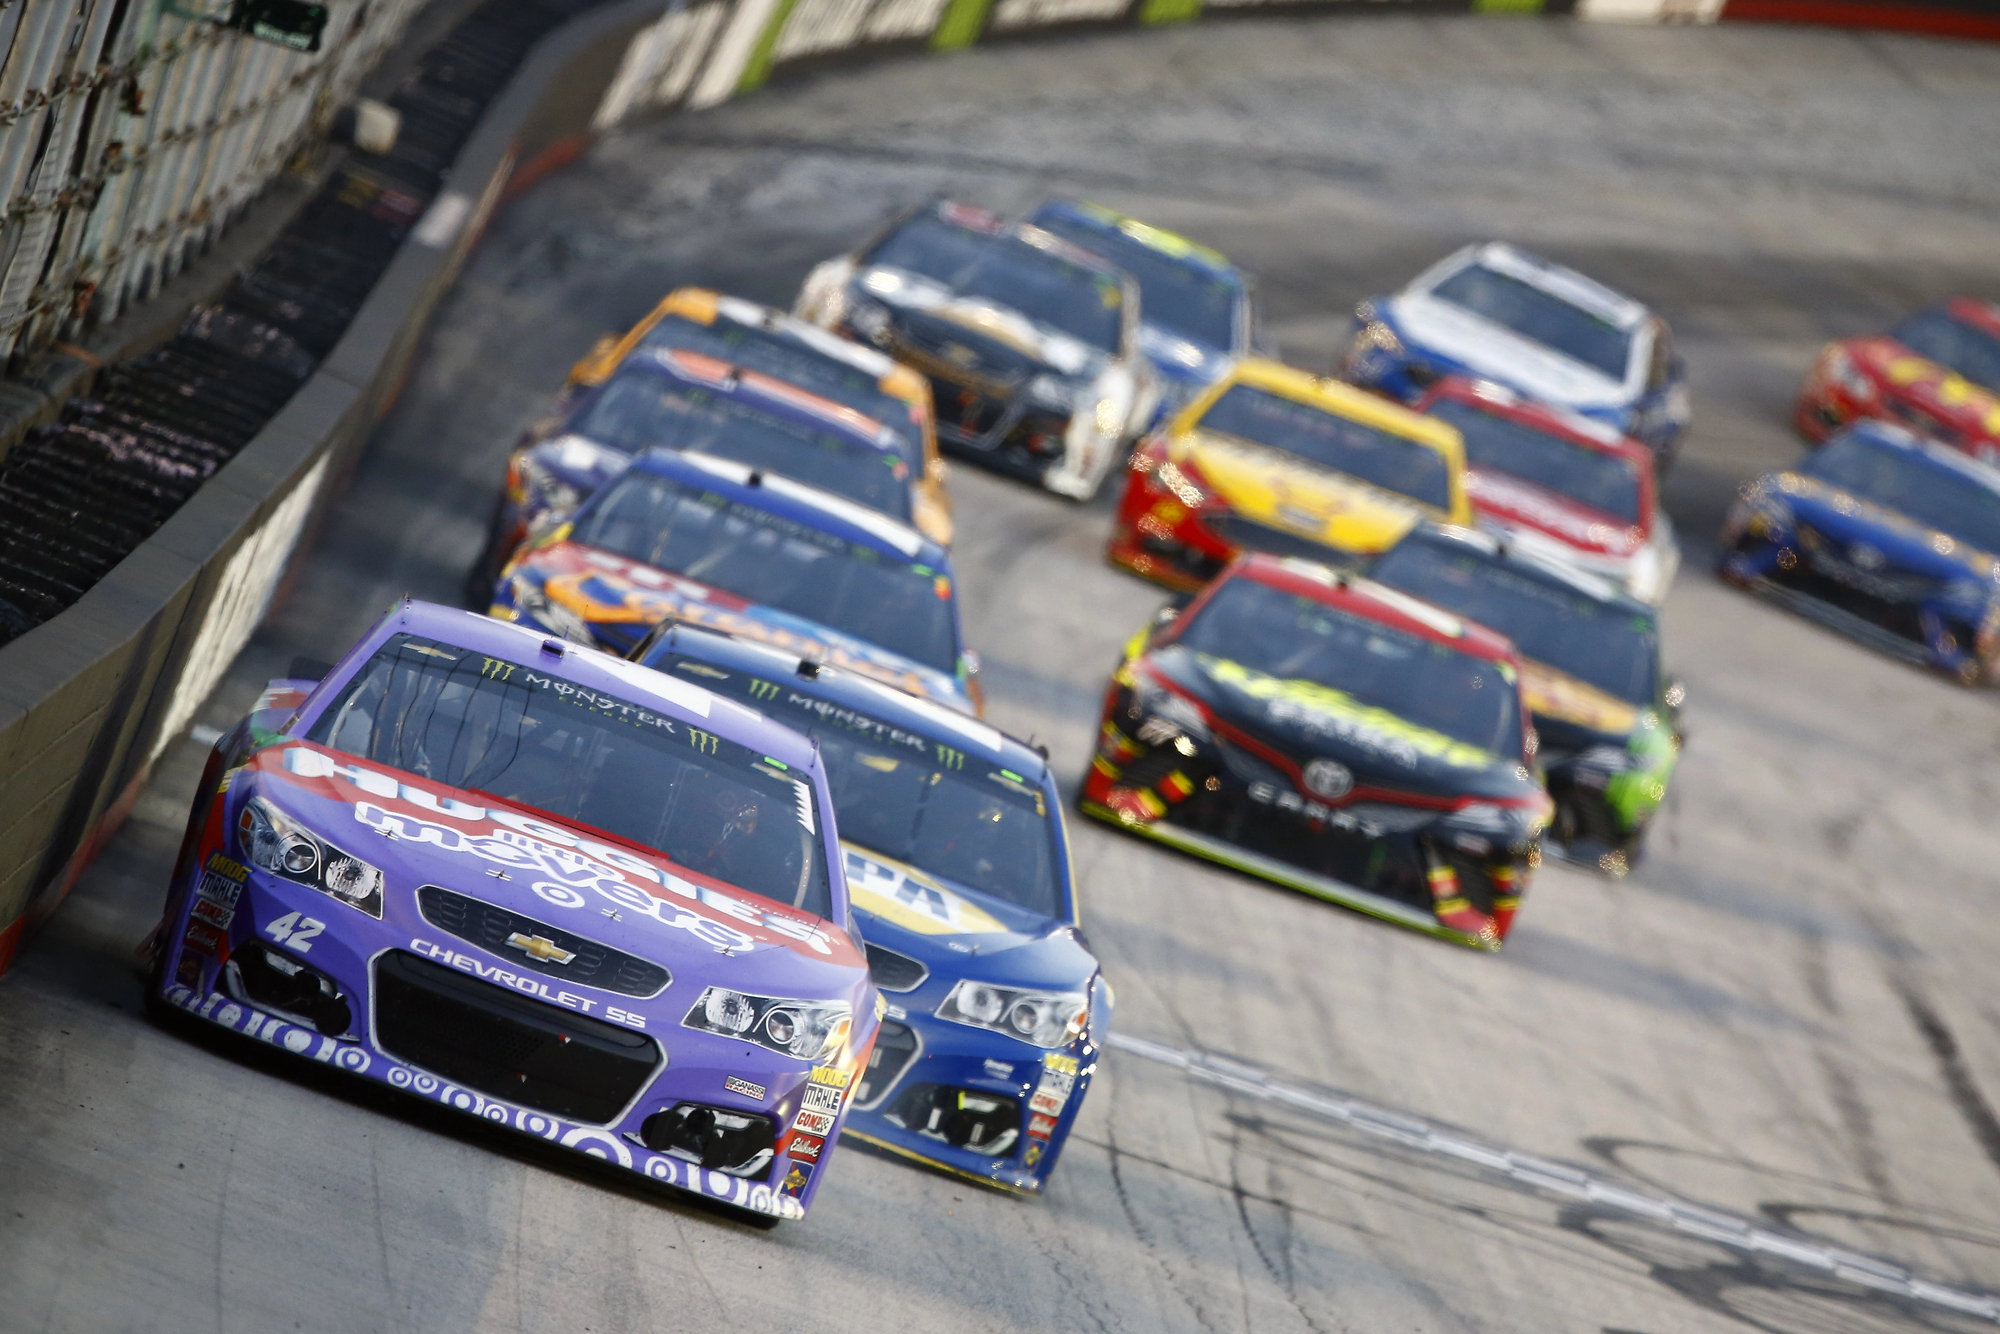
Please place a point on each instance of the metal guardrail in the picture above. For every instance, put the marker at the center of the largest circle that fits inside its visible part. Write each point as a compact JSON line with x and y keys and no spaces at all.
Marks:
{"x":132,"y":131}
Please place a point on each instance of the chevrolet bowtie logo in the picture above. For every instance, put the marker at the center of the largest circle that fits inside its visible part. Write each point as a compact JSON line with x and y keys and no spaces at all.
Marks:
{"x":540,"y":948}
{"x":960,"y":355}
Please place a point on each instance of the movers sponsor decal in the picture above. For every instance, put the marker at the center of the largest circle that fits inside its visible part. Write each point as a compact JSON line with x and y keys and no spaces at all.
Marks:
{"x":1321,"y":711}
{"x":912,"y":900}
{"x":567,"y":863}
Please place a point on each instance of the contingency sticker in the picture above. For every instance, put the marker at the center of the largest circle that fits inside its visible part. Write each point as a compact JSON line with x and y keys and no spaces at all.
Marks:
{"x":1058,"y":1078}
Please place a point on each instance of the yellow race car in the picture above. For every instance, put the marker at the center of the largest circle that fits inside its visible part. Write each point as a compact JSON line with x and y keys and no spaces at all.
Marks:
{"x":1273,"y":459}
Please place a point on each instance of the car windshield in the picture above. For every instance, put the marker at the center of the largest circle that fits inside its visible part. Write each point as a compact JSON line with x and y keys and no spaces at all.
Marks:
{"x":1965,"y":348}
{"x":1294,"y":638}
{"x":910,"y":797}
{"x":1085,"y":303}
{"x":522,"y":735}
{"x":1188,"y":300}
{"x":784,"y":357}
{"x":1611,"y":647}
{"x":1604,"y":482}
{"x":1926,"y":490}
{"x":638,"y":408}
{"x":1392,"y":462}
{"x":1541,"y":316}
{"x":901,"y":605}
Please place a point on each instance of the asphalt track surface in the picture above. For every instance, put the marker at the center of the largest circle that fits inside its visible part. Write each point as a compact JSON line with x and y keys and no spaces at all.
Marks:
{"x":1787,"y":1015}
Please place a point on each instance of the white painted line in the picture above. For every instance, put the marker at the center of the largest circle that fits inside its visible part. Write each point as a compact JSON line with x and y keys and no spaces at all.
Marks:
{"x":1561,"y":1179}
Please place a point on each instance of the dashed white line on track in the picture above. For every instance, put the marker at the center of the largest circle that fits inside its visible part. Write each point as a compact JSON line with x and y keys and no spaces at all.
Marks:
{"x":1562,"y":1180}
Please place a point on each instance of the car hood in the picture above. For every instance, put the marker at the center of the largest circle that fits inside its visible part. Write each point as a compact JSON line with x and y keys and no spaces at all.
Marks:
{"x":1514,"y":503}
{"x":1495,"y":352}
{"x":1287,"y":492}
{"x":1873,"y":537}
{"x":955,"y":931}
{"x":419,"y":832}
{"x":605,"y":588}
{"x":1182,"y":360}
{"x":1304,"y":721}
{"x":580,"y":462}
{"x":1565,"y":703}
{"x":1939,"y":390}
{"x":976,"y":335}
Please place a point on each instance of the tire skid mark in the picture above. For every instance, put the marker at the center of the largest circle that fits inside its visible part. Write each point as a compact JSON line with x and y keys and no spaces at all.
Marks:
{"x":1564,"y":1181}
{"x":1958,"y":1081}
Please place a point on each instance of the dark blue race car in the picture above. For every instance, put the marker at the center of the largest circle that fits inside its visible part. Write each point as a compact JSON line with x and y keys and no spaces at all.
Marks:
{"x":715,"y":543}
{"x":958,"y":866}
{"x":1195,"y":306}
{"x":1883,"y":535}
{"x":1498,"y":313}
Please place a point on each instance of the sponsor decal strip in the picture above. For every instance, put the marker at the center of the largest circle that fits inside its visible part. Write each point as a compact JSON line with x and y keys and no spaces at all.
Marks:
{"x":1560,"y":1179}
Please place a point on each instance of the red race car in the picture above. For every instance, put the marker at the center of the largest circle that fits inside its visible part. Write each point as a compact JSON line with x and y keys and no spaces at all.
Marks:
{"x":1549,"y":480}
{"x":1938,"y":373}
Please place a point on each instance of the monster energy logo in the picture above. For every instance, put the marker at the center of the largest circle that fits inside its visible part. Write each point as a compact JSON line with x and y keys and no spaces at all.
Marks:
{"x":762,"y":689}
{"x":949,"y":758}
{"x":495,"y":669}
{"x":705,"y":742}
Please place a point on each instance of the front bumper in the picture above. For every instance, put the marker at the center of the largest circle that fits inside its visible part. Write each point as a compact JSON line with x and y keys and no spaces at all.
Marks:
{"x":1159,"y":536}
{"x":1796,"y":573}
{"x":976,"y":1104}
{"x":1408,"y":874}
{"x":436,"y":1017}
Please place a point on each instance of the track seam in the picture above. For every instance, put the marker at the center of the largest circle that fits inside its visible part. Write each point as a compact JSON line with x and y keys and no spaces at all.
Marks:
{"x":1560,"y":1179}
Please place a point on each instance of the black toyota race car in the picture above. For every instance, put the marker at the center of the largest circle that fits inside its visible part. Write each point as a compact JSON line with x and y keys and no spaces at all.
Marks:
{"x":1333,"y":735}
{"x":1607,"y":719}
{"x":1031,"y":345}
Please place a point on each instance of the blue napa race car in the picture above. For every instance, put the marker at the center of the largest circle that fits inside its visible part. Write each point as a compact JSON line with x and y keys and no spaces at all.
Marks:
{"x":721,"y":544}
{"x":541,"y":886}
{"x":1196,"y":315}
{"x":1886,"y":536}
{"x":958,"y":869}
{"x":1498,"y":313}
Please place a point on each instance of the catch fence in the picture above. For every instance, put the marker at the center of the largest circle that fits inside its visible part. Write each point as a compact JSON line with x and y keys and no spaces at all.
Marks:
{"x":132,"y":131}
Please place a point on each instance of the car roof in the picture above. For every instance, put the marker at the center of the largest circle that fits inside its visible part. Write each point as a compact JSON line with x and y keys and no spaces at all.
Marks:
{"x":1376,"y":602}
{"x":767,"y":393}
{"x":1342,"y":400}
{"x":992,"y":224}
{"x":598,"y":670}
{"x":776,"y":494}
{"x":1549,"y":417}
{"x":1494,"y":550}
{"x":926,"y":718}
{"x":1097,"y":218}
{"x":1578,"y":289}
{"x":1970,"y":309}
{"x":706,"y":306}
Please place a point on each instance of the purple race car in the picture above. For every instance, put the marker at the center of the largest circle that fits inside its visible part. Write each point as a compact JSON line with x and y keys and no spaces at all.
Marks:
{"x":540,"y":885}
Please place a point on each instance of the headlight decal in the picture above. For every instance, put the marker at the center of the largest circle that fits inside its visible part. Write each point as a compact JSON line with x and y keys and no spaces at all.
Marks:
{"x":1042,"y":1018}
{"x":272,"y":841}
{"x":808,"y":1030}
